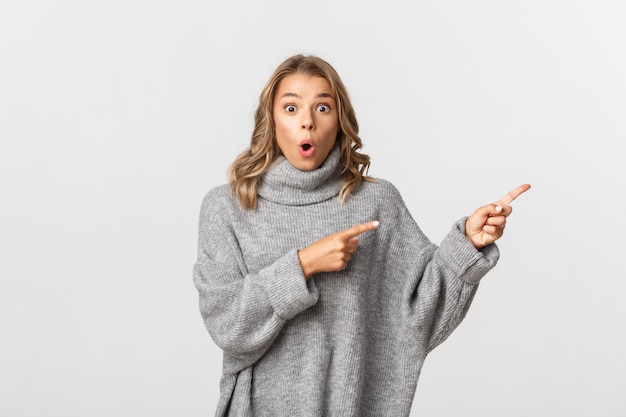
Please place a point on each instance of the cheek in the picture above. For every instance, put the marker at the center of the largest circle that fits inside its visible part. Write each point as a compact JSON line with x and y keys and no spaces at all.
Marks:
{"x":333,"y":128}
{"x":282,"y":134}
{"x":282,"y":126}
{"x":278,"y":128}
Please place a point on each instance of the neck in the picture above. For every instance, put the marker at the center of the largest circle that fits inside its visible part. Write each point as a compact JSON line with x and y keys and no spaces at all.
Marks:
{"x":285,"y":184}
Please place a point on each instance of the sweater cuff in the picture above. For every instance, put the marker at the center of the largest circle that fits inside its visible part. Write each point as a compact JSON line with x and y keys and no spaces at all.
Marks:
{"x":288,"y":291}
{"x":460,"y":254}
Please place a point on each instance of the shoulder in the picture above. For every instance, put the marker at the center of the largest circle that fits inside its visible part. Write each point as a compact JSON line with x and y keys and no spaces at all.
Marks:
{"x":220,"y":192}
{"x":379,"y":195}
{"x":380,"y":189}
{"x":218,"y":199}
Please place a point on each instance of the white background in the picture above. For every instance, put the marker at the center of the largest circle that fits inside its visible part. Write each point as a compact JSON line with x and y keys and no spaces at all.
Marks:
{"x":116,"y":118}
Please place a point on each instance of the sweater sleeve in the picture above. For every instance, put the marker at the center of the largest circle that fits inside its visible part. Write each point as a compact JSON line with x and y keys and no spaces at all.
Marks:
{"x":440,"y":281}
{"x":443,"y":290}
{"x":244,"y":312}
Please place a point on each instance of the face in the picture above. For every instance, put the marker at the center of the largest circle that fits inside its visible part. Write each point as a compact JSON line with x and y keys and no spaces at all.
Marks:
{"x":306,"y":120}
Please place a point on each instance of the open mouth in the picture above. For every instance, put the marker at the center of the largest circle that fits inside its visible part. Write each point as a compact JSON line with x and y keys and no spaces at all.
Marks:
{"x":307,"y":149}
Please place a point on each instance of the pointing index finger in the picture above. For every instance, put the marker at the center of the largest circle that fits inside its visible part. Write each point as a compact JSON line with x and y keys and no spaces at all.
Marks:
{"x":513,"y":194}
{"x":361,"y":228}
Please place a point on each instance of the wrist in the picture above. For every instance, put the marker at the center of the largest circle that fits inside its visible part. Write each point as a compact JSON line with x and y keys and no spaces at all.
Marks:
{"x":304,"y":264}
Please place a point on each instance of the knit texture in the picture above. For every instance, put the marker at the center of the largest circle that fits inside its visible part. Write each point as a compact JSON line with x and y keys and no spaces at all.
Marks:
{"x":348,"y":343}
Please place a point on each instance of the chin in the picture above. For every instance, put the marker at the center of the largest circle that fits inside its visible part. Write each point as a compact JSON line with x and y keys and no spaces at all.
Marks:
{"x":307,"y":165}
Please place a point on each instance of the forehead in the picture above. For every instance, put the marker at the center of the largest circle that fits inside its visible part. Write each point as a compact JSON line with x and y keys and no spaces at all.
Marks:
{"x":303,"y":85}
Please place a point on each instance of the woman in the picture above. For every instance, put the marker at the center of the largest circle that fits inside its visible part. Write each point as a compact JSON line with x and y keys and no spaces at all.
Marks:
{"x":314,"y":279}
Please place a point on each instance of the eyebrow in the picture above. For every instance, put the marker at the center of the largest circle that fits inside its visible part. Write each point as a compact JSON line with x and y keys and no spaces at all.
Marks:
{"x":321,"y":95}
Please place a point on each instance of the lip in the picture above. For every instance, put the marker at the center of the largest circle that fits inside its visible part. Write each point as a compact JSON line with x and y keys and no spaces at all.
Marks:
{"x":306,"y":148}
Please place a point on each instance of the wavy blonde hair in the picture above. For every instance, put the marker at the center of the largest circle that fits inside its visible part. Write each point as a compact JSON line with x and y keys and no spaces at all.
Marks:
{"x":246,"y":171}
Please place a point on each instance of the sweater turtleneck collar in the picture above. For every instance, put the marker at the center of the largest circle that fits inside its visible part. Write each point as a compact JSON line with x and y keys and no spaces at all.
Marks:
{"x":285,"y":184}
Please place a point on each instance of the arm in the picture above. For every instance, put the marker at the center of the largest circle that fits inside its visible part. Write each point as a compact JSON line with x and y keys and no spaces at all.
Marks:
{"x":443,"y":284}
{"x":448,"y":276}
{"x":244,"y":311}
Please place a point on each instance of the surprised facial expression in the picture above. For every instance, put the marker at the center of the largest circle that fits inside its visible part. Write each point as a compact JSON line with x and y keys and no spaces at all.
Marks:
{"x":306,"y":120}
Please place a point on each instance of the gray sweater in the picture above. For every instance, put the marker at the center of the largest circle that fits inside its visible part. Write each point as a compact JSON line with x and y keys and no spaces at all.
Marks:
{"x":347,"y":343}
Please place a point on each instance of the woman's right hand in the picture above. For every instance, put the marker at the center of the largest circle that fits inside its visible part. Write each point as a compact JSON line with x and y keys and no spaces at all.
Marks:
{"x":333,"y":252}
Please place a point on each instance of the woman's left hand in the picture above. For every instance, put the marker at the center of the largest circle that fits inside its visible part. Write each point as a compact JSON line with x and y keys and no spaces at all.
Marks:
{"x":486,"y":224}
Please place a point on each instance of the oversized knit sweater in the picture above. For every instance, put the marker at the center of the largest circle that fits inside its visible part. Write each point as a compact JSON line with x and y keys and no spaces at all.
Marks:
{"x":348,"y":343}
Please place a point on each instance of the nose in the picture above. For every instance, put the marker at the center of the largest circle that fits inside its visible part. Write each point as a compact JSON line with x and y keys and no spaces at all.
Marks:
{"x":307,"y":120}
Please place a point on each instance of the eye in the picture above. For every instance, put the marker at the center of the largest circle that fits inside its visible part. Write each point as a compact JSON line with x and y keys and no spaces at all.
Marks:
{"x":323,"y":108}
{"x":290,"y":108}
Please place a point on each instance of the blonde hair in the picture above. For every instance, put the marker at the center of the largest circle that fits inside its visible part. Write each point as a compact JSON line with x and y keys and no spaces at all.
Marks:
{"x":246,"y":171}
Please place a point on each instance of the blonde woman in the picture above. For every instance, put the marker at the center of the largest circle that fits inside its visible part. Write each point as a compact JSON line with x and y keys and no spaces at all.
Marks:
{"x":314,"y":279}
